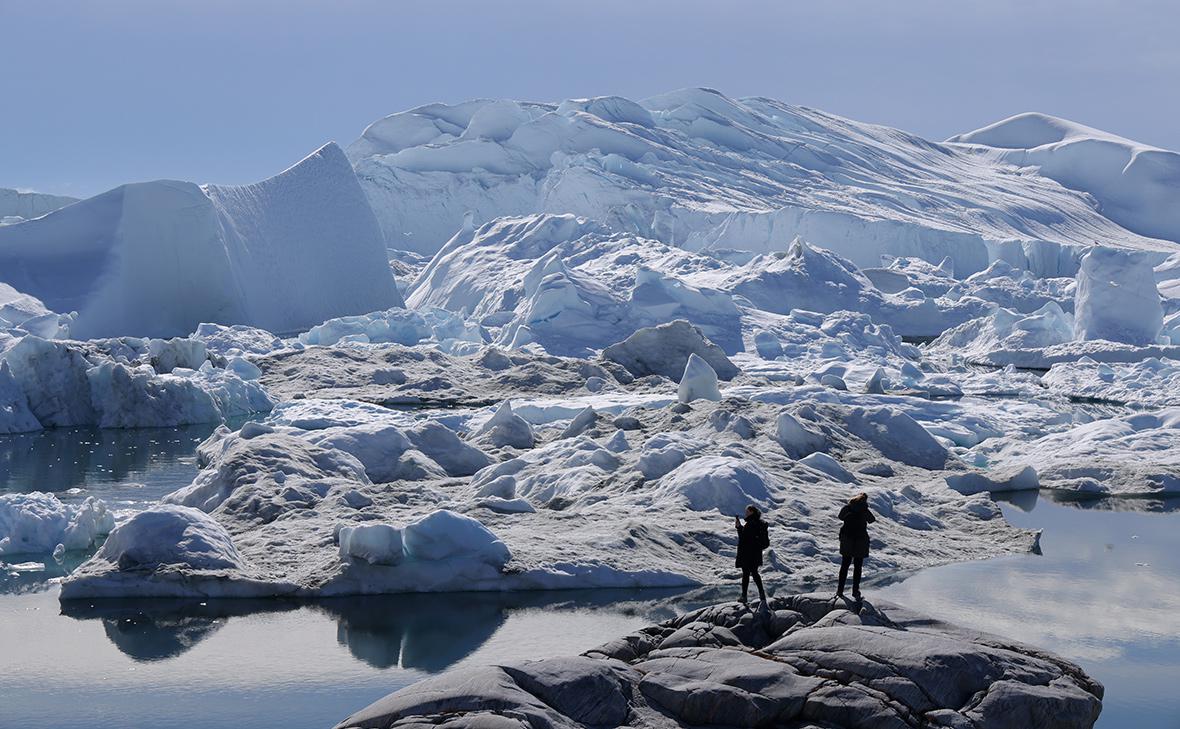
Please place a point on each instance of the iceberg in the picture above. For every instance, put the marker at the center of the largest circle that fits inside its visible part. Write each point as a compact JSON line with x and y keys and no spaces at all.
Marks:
{"x":699,"y":170}
{"x":39,"y":523}
{"x":159,"y":258}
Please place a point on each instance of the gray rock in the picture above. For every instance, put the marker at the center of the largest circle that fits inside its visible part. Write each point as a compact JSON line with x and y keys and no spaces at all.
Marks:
{"x":806,"y":662}
{"x":723,"y":686}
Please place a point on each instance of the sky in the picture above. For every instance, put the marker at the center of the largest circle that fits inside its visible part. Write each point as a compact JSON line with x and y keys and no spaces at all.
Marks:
{"x":232,"y":91}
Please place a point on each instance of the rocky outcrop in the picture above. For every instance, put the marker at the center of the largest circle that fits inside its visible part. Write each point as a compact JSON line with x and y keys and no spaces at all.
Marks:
{"x":804,"y":661}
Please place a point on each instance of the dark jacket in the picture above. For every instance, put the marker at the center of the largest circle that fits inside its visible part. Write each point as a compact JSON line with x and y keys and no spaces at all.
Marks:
{"x":751,"y":536}
{"x":854,"y":535}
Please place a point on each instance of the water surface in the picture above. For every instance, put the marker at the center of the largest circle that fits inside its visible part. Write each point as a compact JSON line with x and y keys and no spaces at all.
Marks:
{"x":1104,"y":592}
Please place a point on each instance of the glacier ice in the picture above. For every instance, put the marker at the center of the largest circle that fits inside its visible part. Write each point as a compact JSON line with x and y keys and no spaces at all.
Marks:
{"x":116,"y":384}
{"x":159,"y":258}
{"x":39,"y":523}
{"x":1116,"y":298}
{"x":698,"y":382}
{"x":16,"y":206}
{"x":625,"y":322}
{"x":1134,"y":183}
{"x":698,"y":170}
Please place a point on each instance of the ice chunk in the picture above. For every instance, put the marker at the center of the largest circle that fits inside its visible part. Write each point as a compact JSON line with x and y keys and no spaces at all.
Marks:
{"x":392,"y":325}
{"x":580,"y":422}
{"x":72,"y":383}
{"x":665,"y":349}
{"x":169,"y":354}
{"x":236,"y":339}
{"x":767,"y":344}
{"x":699,"y":381}
{"x":723,"y":483}
{"x":795,"y":439}
{"x":168,"y":536}
{"x":444,"y":534}
{"x":384,"y":450}
{"x":53,"y":377}
{"x":1116,"y":298}
{"x":268,"y":475}
{"x":833,"y":381}
{"x":38,"y":523}
{"x":897,"y":436}
{"x":372,"y":543}
{"x":824,"y":463}
{"x":127,"y":397}
{"x":506,"y":429}
{"x":974,"y":482}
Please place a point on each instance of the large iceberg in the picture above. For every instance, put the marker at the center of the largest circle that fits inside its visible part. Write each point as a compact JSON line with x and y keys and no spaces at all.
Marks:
{"x":699,"y":170}
{"x":159,"y":258}
{"x":1134,"y":183}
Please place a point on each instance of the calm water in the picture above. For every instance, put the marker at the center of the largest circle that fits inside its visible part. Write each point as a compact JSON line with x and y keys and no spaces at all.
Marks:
{"x":1105,"y":592}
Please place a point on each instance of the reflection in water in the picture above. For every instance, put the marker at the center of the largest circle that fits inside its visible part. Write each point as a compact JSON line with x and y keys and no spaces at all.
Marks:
{"x":59,"y":459}
{"x":1105,"y":593}
{"x":1026,"y":501}
{"x":14,"y":581}
{"x":427,"y":632}
{"x":157,"y":629}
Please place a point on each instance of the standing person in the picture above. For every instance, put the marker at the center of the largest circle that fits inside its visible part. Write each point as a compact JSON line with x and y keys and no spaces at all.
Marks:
{"x":854,"y":540}
{"x":753,"y":537}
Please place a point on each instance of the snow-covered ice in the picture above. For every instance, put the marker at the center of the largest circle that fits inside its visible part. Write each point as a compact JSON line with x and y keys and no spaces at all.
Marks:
{"x":120,"y":383}
{"x":699,"y":170}
{"x":623,"y":322}
{"x":39,"y":523}
{"x":1134,"y":183}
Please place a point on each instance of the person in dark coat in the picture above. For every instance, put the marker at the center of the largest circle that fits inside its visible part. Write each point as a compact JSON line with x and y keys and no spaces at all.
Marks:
{"x":753,"y":537}
{"x":854,"y":540}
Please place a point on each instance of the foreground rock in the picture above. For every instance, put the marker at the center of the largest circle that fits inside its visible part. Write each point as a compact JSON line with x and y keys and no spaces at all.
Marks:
{"x":806,"y":662}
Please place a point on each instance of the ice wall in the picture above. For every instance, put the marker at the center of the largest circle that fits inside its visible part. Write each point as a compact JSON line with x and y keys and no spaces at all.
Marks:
{"x":158,"y":258}
{"x":17,"y":205}
{"x":1117,"y":299}
{"x":698,"y":170}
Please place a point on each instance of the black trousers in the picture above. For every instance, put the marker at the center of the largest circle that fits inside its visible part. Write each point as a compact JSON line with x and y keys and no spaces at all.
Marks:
{"x":746,"y":573}
{"x":856,"y":563}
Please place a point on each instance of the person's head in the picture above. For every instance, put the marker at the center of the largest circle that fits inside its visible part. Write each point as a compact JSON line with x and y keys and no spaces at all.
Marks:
{"x":752,"y":512}
{"x":861,"y":498}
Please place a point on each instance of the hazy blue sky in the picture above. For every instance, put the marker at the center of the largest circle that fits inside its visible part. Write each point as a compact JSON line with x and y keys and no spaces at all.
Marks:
{"x":99,"y":93}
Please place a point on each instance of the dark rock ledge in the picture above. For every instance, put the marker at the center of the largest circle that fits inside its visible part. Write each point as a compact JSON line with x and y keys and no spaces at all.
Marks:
{"x":807,"y":662}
